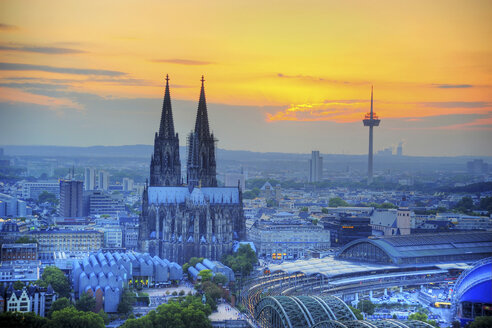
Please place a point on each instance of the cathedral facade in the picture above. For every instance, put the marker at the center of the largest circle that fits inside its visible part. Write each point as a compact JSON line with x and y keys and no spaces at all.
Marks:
{"x":179,"y":220}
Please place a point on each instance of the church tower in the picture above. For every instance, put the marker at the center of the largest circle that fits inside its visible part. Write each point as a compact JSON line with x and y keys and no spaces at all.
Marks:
{"x":201,"y":149}
{"x":165,"y":165}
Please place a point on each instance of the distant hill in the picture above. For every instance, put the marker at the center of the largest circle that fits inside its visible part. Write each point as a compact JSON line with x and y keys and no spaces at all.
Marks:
{"x":474,"y":187}
{"x":143,"y":151}
{"x":238,"y":157}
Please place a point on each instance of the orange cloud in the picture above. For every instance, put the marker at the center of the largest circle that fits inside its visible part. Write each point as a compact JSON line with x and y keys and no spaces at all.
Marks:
{"x":12,"y":95}
{"x":337,"y":111}
{"x":345,"y":111}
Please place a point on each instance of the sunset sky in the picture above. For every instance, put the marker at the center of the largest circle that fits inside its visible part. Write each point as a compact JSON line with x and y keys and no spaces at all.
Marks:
{"x":288,"y":76}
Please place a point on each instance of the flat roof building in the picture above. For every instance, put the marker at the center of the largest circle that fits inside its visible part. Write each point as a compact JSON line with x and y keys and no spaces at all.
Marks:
{"x":69,"y":240}
{"x":287,"y":239}
{"x":19,"y":252}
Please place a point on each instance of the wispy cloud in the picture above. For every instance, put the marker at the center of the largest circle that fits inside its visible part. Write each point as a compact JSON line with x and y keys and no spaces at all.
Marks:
{"x":54,"y":69}
{"x":452,"y":86}
{"x":11,"y":95}
{"x":39,"y":49}
{"x":179,"y":61}
{"x":456,"y":104}
{"x":8,"y":27}
{"x":319,"y":79}
{"x":120,"y":80}
{"x":40,"y":84}
{"x":33,"y":86}
{"x":484,"y":123}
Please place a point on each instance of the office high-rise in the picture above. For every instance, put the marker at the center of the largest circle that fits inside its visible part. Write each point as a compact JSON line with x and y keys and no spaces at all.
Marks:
{"x":127,"y":184}
{"x":399,"y":150}
{"x":89,"y":179}
{"x":103,"y":181}
{"x":315,"y":167}
{"x":70,"y":198}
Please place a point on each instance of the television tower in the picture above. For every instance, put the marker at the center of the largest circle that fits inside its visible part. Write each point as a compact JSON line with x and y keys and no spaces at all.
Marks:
{"x":371,"y":120}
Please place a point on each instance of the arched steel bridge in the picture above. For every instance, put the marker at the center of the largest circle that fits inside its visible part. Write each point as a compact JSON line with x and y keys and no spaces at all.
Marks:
{"x":292,"y":284}
{"x":317,"y":312}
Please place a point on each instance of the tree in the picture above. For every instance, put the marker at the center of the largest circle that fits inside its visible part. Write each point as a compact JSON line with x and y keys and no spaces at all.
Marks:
{"x":211,"y":290}
{"x":26,"y":240}
{"x":47,"y":197}
{"x":387,"y":205}
{"x":256,"y":192}
{"x":54,"y":276}
{"x":356,"y":312}
{"x":103,"y":316}
{"x":455,"y":324}
{"x":195,"y":260}
{"x":18,"y":319}
{"x":464,"y":205}
{"x":481,"y":322}
{"x":185,"y":267}
{"x":219,"y":278}
{"x":422,"y":317}
{"x":85,"y":303}
{"x":242,"y":261}
{"x":126,"y":303}
{"x":366,"y":306}
{"x":206,"y":275}
{"x":72,"y":318}
{"x":304,"y":209}
{"x":486,"y":204}
{"x":337,"y":202}
{"x":195,"y":318}
{"x":418,"y":316}
{"x":324,"y":210}
{"x":249,"y":195}
{"x":59,"y":304}
{"x":188,"y":312}
{"x":18,"y":285}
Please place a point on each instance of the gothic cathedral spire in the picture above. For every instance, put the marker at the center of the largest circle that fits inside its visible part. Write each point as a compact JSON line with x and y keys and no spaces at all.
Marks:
{"x":166,"y":128}
{"x":201,"y":124}
{"x":201,"y":149}
{"x":165,"y":165}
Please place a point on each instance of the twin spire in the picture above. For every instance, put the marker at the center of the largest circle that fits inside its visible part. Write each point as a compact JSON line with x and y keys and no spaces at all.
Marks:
{"x":165,"y":168}
{"x":166,"y":129}
{"x":201,"y":124}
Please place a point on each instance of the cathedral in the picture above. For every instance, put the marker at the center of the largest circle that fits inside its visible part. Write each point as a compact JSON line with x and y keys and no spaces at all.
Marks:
{"x":181,"y":220}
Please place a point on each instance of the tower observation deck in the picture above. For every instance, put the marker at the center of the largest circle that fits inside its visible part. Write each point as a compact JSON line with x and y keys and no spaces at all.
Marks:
{"x":371,"y":120}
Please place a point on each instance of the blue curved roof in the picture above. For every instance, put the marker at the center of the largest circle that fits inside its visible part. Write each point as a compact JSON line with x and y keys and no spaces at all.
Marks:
{"x":430,"y":245}
{"x":476,"y":283}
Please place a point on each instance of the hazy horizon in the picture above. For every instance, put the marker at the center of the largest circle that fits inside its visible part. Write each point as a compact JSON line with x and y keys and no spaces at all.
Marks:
{"x":290,"y":78}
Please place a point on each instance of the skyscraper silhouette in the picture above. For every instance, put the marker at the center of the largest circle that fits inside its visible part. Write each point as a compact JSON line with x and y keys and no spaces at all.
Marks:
{"x":315,"y":167}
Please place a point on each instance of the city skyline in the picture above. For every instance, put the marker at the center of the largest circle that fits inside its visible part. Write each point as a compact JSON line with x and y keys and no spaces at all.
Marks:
{"x":293,"y":72}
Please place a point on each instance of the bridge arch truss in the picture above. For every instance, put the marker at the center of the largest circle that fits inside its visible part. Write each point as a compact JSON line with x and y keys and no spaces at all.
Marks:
{"x":317,"y":312}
